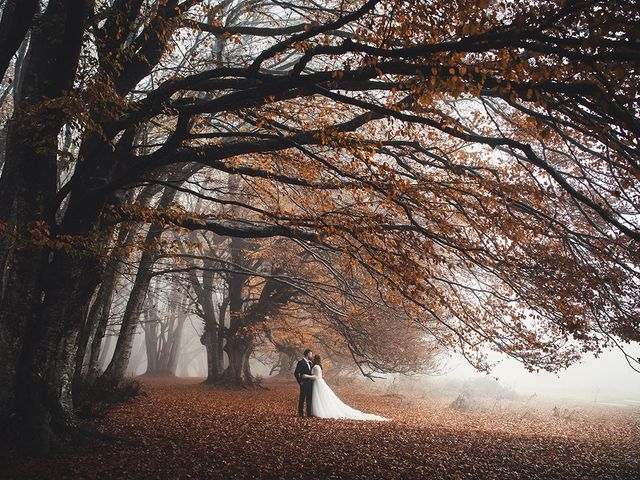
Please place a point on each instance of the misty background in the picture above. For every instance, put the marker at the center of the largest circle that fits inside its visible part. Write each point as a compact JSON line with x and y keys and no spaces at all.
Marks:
{"x":605,"y":380}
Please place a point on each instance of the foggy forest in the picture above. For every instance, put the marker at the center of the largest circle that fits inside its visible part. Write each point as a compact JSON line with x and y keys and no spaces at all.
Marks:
{"x":320,"y":239}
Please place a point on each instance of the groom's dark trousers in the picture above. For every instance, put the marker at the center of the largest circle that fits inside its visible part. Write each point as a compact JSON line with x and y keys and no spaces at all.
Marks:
{"x":306,"y":387}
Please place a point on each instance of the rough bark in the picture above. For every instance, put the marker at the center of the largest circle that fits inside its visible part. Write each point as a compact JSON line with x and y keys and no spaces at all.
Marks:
{"x":44,"y":377}
{"x":239,"y":349}
{"x":29,"y":329}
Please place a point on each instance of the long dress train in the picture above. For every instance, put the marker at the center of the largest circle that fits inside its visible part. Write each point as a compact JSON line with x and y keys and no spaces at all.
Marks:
{"x":326,"y":404}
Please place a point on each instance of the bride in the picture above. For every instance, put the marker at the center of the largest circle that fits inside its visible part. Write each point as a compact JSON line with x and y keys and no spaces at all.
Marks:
{"x":326,"y":404}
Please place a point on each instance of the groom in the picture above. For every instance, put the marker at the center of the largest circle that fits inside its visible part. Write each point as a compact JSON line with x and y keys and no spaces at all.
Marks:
{"x":306,"y":384}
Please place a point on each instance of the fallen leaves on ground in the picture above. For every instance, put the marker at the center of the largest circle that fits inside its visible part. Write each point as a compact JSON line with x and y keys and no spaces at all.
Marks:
{"x":183,"y":429}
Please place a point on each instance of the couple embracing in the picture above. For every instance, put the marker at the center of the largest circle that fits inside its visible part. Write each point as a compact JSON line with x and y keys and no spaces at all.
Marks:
{"x":321,"y":401}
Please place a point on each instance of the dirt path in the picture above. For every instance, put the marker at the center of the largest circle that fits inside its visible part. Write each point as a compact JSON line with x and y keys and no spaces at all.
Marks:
{"x":183,"y":429}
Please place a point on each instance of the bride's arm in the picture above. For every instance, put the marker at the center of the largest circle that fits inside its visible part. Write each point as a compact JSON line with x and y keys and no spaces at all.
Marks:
{"x":312,"y":377}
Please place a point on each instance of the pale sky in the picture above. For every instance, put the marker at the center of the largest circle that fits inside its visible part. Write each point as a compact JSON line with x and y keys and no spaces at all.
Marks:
{"x":607,"y":378}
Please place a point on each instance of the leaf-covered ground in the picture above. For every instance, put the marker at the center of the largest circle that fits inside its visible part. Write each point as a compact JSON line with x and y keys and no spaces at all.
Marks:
{"x":183,"y":429}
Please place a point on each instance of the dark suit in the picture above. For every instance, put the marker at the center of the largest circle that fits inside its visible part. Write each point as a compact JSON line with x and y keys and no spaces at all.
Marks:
{"x":306,"y":386}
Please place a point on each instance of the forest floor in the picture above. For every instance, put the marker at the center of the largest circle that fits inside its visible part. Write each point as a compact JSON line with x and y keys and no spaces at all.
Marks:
{"x":182,"y":429}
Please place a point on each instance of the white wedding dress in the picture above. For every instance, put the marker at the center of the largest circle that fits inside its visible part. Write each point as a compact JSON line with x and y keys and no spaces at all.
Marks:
{"x":326,"y":404}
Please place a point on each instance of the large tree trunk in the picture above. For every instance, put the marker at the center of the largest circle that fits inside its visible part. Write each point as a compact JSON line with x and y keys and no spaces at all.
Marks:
{"x":46,"y":365}
{"x":239,"y":343}
{"x":44,"y":378}
{"x":17,"y":311}
{"x":239,"y":349}
{"x":27,"y":195}
{"x":213,"y":322}
{"x":240,"y":339}
{"x":211,"y":342}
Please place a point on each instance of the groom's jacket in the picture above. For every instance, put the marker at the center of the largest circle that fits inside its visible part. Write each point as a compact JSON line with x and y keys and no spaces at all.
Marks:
{"x":301,"y":369}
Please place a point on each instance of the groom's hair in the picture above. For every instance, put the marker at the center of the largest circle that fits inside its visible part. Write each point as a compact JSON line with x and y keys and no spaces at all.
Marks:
{"x":306,"y":352}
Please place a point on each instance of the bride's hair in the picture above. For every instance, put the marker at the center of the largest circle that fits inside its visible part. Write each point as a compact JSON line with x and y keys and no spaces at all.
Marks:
{"x":317,"y":360}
